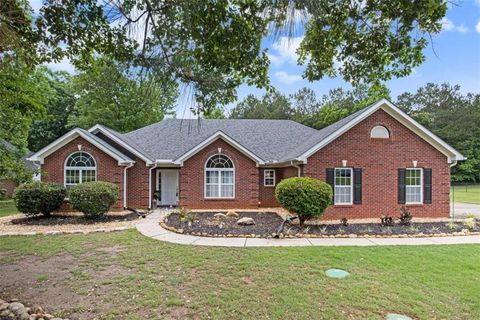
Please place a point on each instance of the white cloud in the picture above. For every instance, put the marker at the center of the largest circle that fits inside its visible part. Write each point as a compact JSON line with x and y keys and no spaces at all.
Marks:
{"x":62,"y":65}
{"x":448,"y":25}
{"x":286,"y":78}
{"x":477,"y":27}
{"x":285,"y":50}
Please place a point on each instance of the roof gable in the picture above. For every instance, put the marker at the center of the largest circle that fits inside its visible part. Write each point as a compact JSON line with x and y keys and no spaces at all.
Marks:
{"x":332,"y":132}
{"x":70,"y":136}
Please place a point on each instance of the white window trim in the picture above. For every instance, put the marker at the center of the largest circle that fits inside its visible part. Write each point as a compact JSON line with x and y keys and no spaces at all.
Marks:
{"x":219,"y":179}
{"x":81,"y":169}
{"x":421,"y":185}
{"x":381,"y":127}
{"x":351,"y":187}
{"x":265,"y":178}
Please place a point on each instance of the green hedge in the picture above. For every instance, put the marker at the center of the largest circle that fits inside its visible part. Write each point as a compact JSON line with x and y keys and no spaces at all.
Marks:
{"x":39,"y":198}
{"x":94,"y":199}
{"x":307,"y":197}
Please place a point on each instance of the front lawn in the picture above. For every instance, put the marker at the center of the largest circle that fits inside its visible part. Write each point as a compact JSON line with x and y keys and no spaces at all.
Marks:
{"x":124,"y":275}
{"x":7,"y":207}
{"x":466,"y":194}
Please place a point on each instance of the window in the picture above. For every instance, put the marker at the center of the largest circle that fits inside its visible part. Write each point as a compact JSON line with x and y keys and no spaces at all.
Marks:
{"x":219,"y":177}
{"x":413,"y":185}
{"x":79,"y":167}
{"x":343,"y":186}
{"x":379,"y":132}
{"x":269,"y":178}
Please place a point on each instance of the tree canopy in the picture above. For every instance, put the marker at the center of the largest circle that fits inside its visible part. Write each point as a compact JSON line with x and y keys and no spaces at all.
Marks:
{"x":214,"y":46}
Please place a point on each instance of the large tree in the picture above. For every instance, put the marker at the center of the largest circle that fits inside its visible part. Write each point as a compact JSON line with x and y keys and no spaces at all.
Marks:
{"x":112,"y":94}
{"x":454,"y":117}
{"x":59,"y":106}
{"x":273,"y":105}
{"x":214,"y":46}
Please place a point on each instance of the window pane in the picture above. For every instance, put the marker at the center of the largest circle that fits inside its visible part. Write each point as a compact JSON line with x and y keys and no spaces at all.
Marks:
{"x":211,"y":190}
{"x":227,"y":177}
{"x":343,"y":186}
{"x":72,"y":176}
{"x":227,"y":191}
{"x":212,"y":176}
{"x":88,"y":175}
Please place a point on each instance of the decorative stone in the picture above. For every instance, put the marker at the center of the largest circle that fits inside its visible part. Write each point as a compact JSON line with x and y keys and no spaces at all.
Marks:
{"x":245,"y":221}
{"x":337,"y":273}
{"x":219,"y":216}
{"x":15,"y":306}
{"x":232,"y":214}
{"x":395,"y":316}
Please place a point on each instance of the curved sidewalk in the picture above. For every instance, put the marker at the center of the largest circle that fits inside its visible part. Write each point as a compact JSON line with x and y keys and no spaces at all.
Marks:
{"x":150,"y":227}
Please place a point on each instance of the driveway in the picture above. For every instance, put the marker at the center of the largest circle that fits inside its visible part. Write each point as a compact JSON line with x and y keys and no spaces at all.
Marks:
{"x":461,"y":210}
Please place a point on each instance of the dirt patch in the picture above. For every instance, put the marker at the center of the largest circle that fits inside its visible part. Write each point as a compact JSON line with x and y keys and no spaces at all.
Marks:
{"x":267,"y":223}
{"x":59,"y":284}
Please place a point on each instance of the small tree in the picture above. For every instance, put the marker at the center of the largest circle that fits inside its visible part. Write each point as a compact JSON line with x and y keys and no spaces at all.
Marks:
{"x":306,"y":197}
{"x":39,"y":198}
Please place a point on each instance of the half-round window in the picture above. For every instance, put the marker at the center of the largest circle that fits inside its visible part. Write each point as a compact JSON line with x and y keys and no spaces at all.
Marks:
{"x":380,"y":132}
{"x":79,"y":167}
{"x":219,"y":177}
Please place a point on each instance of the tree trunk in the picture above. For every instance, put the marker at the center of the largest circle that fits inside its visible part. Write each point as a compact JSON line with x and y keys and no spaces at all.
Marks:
{"x":302,"y":221}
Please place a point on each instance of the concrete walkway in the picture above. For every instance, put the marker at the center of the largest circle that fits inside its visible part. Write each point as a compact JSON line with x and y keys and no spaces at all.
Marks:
{"x":150,"y":227}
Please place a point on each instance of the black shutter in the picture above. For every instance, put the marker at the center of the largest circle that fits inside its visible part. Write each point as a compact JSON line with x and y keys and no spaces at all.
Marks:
{"x":427,"y":185}
{"x":357,"y":185}
{"x":330,"y":180}
{"x":401,"y":186}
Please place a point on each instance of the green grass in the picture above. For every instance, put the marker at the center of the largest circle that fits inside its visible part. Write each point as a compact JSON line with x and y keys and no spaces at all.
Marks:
{"x":7,"y":208}
{"x":466,"y":194}
{"x":149,"y":279}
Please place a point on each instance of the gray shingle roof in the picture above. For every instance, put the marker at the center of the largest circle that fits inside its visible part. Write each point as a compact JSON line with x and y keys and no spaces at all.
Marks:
{"x":270,"y":140}
{"x":106,"y":145}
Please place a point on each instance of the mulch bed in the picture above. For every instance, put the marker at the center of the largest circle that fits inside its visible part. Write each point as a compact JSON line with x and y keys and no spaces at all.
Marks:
{"x":267,"y":224}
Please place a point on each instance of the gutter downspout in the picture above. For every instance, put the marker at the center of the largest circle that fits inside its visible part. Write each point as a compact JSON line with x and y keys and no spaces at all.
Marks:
{"x":150,"y":185}
{"x":452,"y":212}
{"x":299,"y":174}
{"x":125,"y":185}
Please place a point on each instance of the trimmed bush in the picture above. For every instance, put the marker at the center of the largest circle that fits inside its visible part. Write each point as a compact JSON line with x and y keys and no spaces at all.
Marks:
{"x":3,"y":192}
{"x":94,"y":198}
{"x":39,"y":198}
{"x":307,"y":197}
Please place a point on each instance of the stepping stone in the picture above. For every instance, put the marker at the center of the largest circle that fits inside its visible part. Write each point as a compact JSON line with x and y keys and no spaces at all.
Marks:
{"x":337,"y":273}
{"x":395,"y":316}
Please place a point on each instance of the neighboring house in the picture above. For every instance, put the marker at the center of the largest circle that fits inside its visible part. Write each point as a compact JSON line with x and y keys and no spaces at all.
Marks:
{"x":377,"y":160}
{"x":10,"y":184}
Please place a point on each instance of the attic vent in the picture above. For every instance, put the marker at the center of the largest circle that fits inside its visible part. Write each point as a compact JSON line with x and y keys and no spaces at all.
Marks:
{"x":379,"y":132}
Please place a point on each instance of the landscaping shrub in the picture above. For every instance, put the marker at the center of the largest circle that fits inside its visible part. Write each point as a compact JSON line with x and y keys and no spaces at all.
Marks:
{"x":386,"y":221}
{"x":94,"y":198}
{"x":307,"y":197}
{"x":405,"y":216}
{"x":39,"y":198}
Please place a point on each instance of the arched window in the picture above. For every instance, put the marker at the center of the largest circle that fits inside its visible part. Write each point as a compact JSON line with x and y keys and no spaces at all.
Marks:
{"x":79,"y":167}
{"x":219,"y":177}
{"x":379,"y":132}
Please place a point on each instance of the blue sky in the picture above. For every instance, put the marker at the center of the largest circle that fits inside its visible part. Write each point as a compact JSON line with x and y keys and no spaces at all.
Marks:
{"x":454,"y":57}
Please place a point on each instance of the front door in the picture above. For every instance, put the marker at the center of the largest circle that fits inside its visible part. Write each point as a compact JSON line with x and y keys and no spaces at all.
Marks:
{"x":167,"y":185}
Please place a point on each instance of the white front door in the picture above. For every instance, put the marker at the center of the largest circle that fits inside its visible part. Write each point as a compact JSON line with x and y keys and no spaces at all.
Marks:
{"x":167,"y":184}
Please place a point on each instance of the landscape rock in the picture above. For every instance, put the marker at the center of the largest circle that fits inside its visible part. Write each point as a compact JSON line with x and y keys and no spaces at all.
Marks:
{"x":232,"y":214}
{"x":17,"y":311}
{"x":219,"y":216}
{"x":245,"y":221}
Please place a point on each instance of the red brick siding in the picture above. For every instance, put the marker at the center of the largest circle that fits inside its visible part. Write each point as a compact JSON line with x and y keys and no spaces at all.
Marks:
{"x":192,"y":180}
{"x":267,"y":194}
{"x":380,"y":160}
{"x":137,"y":185}
{"x":10,"y":186}
{"x":107,"y":167}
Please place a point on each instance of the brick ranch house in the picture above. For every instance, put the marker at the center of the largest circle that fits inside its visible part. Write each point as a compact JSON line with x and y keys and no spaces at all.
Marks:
{"x":376,"y":159}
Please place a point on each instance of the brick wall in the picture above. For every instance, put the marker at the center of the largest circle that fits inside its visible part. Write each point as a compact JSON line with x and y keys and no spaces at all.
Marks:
{"x":192,"y":180}
{"x":267,"y":194}
{"x":107,"y":167}
{"x":380,"y":159}
{"x":137,"y":185}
